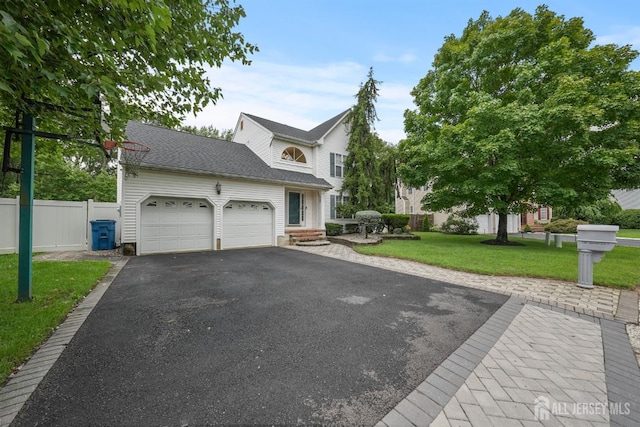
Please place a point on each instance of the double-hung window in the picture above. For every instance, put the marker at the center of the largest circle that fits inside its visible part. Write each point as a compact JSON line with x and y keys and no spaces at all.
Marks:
{"x":336,"y":165}
{"x":335,"y":201}
{"x":543,"y":213}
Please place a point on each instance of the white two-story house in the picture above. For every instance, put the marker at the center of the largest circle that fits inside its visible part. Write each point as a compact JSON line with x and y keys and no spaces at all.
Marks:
{"x":193,"y":193}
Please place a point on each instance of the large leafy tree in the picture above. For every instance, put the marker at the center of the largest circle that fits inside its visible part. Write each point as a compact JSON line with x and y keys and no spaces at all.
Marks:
{"x":141,"y":59}
{"x":66,"y":171}
{"x":369,"y":168}
{"x":75,"y":64}
{"x":523,"y":110}
{"x":208,"y":131}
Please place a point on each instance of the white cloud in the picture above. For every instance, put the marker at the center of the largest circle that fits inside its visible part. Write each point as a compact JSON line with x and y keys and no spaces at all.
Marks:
{"x":295,"y":95}
{"x":622,"y":35}
{"x":405,"y":58}
{"x":299,"y":96}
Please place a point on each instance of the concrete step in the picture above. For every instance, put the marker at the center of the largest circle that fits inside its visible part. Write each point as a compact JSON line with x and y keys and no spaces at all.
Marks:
{"x":314,"y":243}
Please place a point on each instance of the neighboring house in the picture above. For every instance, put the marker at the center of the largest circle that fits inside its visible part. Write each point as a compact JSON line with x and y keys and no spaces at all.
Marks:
{"x":198,"y":193}
{"x":410,"y":202}
{"x":627,"y":199}
{"x":537,"y":219}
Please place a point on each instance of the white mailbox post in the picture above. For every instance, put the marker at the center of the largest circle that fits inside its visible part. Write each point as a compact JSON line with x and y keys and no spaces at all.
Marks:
{"x":593,"y":242}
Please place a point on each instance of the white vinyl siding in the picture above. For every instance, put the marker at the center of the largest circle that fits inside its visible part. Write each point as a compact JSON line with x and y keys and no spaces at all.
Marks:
{"x":628,"y":199}
{"x":254,"y":136}
{"x":335,"y":141}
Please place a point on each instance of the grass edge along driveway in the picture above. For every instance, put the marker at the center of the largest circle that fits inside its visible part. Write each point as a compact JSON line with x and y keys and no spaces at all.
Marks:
{"x":56,"y":289}
{"x":618,"y":268}
{"x":629,"y":232}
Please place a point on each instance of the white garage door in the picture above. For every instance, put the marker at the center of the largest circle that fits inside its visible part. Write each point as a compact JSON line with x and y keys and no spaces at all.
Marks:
{"x":483,"y":224}
{"x":176,"y":225}
{"x":247,"y":224}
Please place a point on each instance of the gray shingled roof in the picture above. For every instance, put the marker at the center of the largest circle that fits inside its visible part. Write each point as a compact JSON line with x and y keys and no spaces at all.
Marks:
{"x":185,"y":152}
{"x":310,"y":137}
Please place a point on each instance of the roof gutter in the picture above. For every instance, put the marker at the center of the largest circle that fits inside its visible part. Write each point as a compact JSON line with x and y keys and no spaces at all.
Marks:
{"x":296,"y":140}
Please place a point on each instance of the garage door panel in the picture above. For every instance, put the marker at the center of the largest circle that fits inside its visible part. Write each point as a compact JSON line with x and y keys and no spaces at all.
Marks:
{"x":202,"y":229}
{"x":169,"y":217}
{"x":170,"y":231}
{"x":176,"y":224}
{"x":152,"y":218}
{"x":188,"y":229}
{"x":151,"y":231}
{"x":247,"y":224}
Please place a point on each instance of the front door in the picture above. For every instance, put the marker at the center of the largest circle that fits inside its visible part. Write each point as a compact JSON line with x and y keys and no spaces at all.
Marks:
{"x":296,"y":208}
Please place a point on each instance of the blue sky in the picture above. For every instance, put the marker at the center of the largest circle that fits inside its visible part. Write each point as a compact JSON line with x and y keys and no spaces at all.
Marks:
{"x":315,"y":53}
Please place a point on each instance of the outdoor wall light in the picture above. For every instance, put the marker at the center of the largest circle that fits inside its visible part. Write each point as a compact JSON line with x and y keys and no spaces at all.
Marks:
{"x":218,"y":187}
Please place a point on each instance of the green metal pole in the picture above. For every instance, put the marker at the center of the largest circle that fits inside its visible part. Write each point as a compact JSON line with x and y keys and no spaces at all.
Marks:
{"x":25,"y":249}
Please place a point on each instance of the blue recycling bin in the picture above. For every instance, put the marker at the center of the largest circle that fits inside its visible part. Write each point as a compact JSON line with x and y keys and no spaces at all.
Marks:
{"x":103,"y":234}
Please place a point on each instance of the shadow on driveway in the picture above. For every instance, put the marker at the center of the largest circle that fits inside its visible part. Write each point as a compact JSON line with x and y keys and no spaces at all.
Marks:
{"x":259,"y":336}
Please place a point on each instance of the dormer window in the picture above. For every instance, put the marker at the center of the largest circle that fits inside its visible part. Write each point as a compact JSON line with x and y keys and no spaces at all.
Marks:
{"x":293,"y":154}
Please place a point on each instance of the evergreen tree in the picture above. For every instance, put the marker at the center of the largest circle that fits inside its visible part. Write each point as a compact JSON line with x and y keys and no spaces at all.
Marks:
{"x":366,"y":168}
{"x":208,"y":131}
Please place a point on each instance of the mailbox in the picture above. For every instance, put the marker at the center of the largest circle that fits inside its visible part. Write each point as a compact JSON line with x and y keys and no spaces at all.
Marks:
{"x":597,"y":238}
{"x":593,"y":242}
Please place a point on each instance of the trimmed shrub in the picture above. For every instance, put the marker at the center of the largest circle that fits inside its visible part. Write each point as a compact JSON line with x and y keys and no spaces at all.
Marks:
{"x":370,"y":220}
{"x":351,"y":228}
{"x":601,"y":212}
{"x":426,"y":225}
{"x":564,"y":226}
{"x":333,"y":229}
{"x":628,"y":218}
{"x":393,"y":221}
{"x":455,"y":224}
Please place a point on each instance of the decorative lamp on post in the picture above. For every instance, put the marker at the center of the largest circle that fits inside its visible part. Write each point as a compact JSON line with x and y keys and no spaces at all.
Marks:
{"x":218,"y":187}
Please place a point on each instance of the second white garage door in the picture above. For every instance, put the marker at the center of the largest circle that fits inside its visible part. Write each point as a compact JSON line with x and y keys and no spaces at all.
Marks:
{"x":247,"y":224}
{"x":176,"y":225}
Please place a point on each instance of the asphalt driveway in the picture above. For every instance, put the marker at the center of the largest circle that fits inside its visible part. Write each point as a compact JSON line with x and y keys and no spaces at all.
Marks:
{"x":260,"y":336}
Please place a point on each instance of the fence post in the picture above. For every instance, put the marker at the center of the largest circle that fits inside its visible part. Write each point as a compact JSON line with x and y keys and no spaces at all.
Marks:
{"x":16,"y":237}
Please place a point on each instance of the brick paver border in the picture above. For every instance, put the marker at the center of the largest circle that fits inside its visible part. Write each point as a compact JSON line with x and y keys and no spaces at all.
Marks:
{"x":622,"y":375}
{"x":17,"y":391}
{"x":424,"y":404}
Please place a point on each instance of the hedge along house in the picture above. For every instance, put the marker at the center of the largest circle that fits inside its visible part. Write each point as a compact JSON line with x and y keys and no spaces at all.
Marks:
{"x":194,"y":193}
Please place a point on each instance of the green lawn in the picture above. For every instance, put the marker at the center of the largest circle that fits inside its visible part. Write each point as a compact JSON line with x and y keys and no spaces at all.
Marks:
{"x":628,"y":232}
{"x":618,"y":268}
{"x":56,"y":288}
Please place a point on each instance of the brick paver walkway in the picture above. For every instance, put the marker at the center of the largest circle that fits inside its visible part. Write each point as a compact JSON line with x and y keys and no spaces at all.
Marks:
{"x":540,"y":370}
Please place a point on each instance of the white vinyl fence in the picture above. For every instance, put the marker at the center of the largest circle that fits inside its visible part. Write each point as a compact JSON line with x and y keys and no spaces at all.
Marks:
{"x":57,"y":225}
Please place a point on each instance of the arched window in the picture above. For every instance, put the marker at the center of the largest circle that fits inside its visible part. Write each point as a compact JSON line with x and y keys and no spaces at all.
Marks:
{"x":294,"y":154}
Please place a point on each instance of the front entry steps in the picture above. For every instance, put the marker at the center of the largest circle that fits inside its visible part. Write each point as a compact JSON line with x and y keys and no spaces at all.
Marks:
{"x":307,"y":237}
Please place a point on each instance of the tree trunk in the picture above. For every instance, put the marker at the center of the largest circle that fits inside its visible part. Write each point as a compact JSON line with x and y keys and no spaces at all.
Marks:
{"x":502,"y":236}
